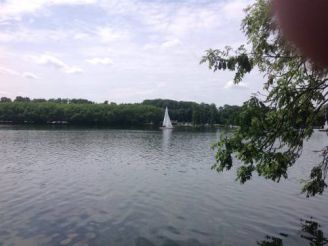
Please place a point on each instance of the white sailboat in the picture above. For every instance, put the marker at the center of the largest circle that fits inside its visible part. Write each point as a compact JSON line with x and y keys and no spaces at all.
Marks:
{"x":167,"y":121}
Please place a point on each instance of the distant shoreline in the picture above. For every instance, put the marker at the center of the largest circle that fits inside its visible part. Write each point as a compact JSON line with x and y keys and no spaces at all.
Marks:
{"x":59,"y":111}
{"x":180,"y":126}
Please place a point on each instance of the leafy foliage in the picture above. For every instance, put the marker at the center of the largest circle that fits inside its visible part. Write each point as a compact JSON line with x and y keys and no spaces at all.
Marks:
{"x":228,"y":114}
{"x":193,"y":112}
{"x":82,"y":111}
{"x":272,"y":131}
{"x":41,"y":112}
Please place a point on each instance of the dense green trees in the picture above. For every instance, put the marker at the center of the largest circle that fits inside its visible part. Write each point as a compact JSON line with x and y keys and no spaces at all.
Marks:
{"x":228,"y":115}
{"x":5,"y":99}
{"x":273,"y":127}
{"x":192,"y":112}
{"x":41,"y":112}
{"x":82,"y":111}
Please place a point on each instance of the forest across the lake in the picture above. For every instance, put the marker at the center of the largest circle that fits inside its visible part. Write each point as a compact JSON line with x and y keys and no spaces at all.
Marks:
{"x":85,"y":112}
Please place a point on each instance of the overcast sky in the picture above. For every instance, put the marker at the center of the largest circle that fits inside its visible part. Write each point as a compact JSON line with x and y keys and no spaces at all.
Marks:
{"x":119,"y":50}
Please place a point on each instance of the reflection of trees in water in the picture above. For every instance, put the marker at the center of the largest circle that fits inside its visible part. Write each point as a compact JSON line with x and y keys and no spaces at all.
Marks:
{"x":271,"y":241}
{"x":313,"y":232}
{"x":310,"y":231}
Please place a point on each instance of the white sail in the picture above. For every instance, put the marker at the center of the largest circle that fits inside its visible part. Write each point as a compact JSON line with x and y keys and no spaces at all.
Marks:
{"x":167,"y":122}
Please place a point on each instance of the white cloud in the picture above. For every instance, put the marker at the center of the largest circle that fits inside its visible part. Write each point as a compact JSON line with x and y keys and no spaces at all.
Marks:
{"x":81,"y":35}
{"x":55,"y":62}
{"x":116,"y":93}
{"x":6,"y":37}
{"x":4,"y":70}
{"x":170,"y":18}
{"x":100,"y":61}
{"x":235,"y":9}
{"x":188,"y":20}
{"x":51,"y":60}
{"x":72,"y":70}
{"x":29,"y":75}
{"x":171,"y":43}
{"x":41,"y":35}
{"x":103,"y":34}
{"x":15,"y":8}
{"x":108,"y":34}
{"x":151,"y":42}
{"x":163,"y":46}
{"x":231,"y":85}
{"x":4,"y":93}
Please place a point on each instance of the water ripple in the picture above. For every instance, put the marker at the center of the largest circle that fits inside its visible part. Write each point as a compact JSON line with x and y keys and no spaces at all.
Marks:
{"x":133,"y":187}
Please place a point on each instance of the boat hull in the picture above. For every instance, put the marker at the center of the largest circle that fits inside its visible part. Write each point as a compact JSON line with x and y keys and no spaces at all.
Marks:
{"x":166,"y":128}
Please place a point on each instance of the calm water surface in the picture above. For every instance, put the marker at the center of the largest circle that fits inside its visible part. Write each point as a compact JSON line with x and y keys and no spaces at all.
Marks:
{"x":142,"y":187}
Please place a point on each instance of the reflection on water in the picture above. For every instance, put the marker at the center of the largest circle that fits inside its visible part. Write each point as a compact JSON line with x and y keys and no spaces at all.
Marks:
{"x":271,"y":241}
{"x":313,"y":233}
{"x":310,"y":231}
{"x":142,"y":187}
{"x":167,"y":134}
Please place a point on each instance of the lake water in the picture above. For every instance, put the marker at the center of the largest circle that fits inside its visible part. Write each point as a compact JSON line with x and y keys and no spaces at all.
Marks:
{"x":144,"y":187}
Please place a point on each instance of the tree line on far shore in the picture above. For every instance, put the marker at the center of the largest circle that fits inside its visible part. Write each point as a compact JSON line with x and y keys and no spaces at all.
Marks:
{"x":85,"y":112}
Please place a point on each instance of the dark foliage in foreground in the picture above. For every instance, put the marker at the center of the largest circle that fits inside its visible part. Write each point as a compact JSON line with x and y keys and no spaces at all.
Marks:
{"x":269,"y":142}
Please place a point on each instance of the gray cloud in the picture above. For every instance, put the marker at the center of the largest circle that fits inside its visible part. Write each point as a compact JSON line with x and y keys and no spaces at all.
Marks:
{"x":29,"y":75}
